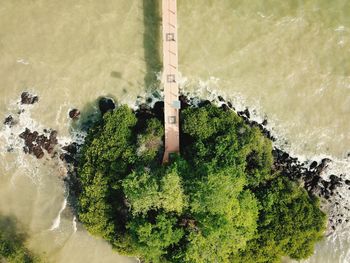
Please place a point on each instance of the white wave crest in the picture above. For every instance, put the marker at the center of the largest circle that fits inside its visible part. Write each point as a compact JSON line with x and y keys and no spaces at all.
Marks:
{"x":57,"y":221}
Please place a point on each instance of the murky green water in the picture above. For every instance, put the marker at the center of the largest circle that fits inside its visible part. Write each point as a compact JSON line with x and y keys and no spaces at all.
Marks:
{"x":289,"y":60}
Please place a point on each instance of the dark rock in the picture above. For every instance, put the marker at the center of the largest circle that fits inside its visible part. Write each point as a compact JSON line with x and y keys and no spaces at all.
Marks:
{"x":347,"y":182}
{"x":323,"y":165}
{"x":253,"y":124}
{"x":27,"y":98}
{"x":53,"y":137}
{"x":41,"y":139}
{"x":334,"y":178}
{"x":220,"y":98}
{"x":326,"y":194}
{"x":9,"y":121}
{"x":204,"y":103}
{"x":68,"y":158}
{"x":25,"y":133}
{"x":285,"y":156}
{"x":325,"y":184}
{"x":74,"y":114}
{"x":144,"y":107}
{"x":71,"y":148}
{"x":185,"y":103}
{"x":264,"y":122}
{"x":247,"y":113}
{"x":224,"y":107}
{"x":38,"y":152}
{"x":106,"y":104}
{"x":25,"y":149}
{"x":313,"y":165}
{"x":229,"y":103}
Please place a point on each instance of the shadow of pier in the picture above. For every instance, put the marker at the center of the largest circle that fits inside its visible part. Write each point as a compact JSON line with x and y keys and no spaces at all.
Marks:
{"x":152,"y":42}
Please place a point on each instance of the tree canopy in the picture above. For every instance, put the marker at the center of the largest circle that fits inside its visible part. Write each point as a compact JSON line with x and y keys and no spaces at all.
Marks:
{"x":12,"y":247}
{"x":220,"y":201}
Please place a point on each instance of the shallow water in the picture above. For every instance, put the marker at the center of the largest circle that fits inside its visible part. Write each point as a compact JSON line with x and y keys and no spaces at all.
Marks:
{"x":287,"y":60}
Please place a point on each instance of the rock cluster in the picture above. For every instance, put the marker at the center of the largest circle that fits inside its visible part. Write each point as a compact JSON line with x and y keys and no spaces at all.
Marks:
{"x":36,"y":143}
{"x":69,"y":154}
{"x":27,"y":98}
{"x":311,"y":176}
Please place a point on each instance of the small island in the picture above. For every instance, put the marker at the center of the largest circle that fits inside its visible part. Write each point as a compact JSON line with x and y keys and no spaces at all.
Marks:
{"x":221,"y":199}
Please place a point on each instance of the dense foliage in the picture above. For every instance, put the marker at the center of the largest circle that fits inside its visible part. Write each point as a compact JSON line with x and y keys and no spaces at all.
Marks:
{"x":12,"y":247}
{"x":219,"y":202}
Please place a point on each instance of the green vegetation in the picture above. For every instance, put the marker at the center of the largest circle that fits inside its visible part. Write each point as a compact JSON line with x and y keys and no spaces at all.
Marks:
{"x":219,"y":202}
{"x":12,"y":248}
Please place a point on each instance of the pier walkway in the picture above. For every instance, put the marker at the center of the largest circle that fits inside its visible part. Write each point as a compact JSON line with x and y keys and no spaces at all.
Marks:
{"x":170,"y":79}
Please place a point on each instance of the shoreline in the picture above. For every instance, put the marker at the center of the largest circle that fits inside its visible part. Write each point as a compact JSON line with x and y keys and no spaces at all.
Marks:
{"x":311,"y":174}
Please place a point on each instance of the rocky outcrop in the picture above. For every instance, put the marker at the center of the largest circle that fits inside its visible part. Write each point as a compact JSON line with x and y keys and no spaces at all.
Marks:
{"x":35,"y":143}
{"x":27,"y":98}
{"x":69,"y":153}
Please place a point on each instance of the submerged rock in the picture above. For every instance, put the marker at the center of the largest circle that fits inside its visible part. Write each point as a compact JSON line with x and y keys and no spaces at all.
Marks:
{"x":106,"y":104}
{"x":27,"y":98}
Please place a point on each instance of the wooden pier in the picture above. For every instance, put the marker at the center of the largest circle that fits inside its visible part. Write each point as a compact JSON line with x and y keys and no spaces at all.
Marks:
{"x":170,"y":78}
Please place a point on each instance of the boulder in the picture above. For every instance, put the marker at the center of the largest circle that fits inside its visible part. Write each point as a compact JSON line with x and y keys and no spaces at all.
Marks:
{"x":38,"y":152}
{"x":74,"y":114}
{"x":27,"y":98}
{"x":106,"y":104}
{"x":313,"y":165}
{"x":220,"y":98}
{"x":224,"y":107}
{"x":185,"y":103}
{"x":71,"y":148}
